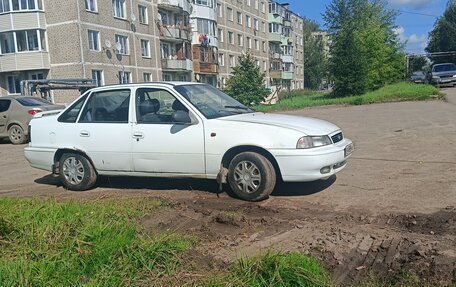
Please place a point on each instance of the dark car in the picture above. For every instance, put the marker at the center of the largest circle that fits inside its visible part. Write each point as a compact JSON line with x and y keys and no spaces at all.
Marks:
{"x":16,"y":113}
{"x":443,"y":74}
{"x":419,"y":77}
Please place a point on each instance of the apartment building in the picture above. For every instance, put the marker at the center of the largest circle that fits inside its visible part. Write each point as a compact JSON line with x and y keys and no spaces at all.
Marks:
{"x":286,"y":49}
{"x":122,"y":41}
{"x":242,"y":27}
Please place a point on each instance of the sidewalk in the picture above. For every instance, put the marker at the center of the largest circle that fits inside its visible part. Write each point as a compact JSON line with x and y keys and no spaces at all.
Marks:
{"x":450,"y":95}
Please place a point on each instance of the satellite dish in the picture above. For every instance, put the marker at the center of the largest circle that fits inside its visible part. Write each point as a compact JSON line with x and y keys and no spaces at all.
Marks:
{"x":108,"y":44}
{"x":133,"y":17}
{"x":197,"y":77}
{"x":118,"y":46}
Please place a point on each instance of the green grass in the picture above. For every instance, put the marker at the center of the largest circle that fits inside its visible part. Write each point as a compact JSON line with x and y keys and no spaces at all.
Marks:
{"x":284,"y":270}
{"x":47,"y":243}
{"x":396,"y":92}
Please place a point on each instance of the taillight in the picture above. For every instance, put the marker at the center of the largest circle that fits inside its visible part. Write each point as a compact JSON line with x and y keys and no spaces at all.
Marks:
{"x":34,"y":111}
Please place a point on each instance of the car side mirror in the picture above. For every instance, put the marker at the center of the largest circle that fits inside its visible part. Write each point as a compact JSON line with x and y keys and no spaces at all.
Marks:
{"x":181,"y":117}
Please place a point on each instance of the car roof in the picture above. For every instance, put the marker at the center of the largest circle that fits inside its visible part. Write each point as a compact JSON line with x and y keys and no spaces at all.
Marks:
{"x":146,"y":84}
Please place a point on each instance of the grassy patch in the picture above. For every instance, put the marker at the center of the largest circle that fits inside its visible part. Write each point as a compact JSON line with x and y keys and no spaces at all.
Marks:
{"x":396,"y":92}
{"x":294,"y":269}
{"x":47,"y":243}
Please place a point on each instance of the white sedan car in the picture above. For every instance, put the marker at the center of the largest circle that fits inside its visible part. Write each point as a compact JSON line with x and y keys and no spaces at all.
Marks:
{"x":182,"y":130}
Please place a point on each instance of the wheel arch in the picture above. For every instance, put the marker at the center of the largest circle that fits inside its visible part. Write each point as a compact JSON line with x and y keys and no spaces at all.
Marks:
{"x":232,"y":152}
{"x":10,"y":124}
{"x":60,"y":152}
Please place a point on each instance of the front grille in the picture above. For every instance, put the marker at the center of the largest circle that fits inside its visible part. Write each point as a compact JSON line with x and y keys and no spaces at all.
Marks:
{"x":337,"y":137}
{"x":446,"y":76}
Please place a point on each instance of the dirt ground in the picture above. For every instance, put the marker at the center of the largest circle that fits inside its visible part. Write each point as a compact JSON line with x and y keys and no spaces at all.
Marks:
{"x":392,"y":210}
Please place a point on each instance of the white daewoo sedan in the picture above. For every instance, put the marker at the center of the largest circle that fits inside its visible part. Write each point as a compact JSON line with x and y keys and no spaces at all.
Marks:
{"x":182,"y":130}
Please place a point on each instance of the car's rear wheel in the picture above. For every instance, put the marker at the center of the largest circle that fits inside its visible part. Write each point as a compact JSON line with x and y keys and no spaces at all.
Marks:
{"x":251,"y":176}
{"x":16,"y":135}
{"x":76,"y":172}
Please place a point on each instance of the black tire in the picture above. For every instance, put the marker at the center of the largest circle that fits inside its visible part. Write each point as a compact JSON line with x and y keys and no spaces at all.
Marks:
{"x":16,"y":135}
{"x":251,"y":176}
{"x":76,"y":172}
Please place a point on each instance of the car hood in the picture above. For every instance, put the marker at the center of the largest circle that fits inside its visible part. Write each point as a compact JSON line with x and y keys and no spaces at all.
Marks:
{"x":308,"y":126}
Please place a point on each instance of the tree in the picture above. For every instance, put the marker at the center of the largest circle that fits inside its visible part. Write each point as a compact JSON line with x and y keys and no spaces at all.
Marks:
{"x":365,"y":51}
{"x":315,"y":63}
{"x":417,"y":63}
{"x":443,"y":37}
{"x":247,"y":82}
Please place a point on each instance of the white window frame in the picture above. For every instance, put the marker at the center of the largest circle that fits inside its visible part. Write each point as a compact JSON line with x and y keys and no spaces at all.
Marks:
{"x":248,"y":21}
{"x":256,"y":24}
{"x":124,"y":77}
{"x":91,"y":6}
{"x":240,"y":40}
{"x":239,"y":17}
{"x":147,"y":77}
{"x":99,"y":81}
{"x":221,"y":59}
{"x":145,"y":48}
{"x":257,"y":45}
{"x":231,"y":37}
{"x":220,"y":35}
{"x":232,"y":61}
{"x":94,"y":43}
{"x":118,"y":9}
{"x":143,"y":17}
{"x":229,"y":14}
{"x":124,"y":44}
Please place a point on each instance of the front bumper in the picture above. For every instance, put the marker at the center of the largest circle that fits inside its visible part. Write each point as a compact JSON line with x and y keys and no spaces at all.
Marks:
{"x":300,"y":165}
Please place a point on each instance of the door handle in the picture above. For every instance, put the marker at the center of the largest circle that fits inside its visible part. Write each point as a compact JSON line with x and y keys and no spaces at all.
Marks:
{"x":138,"y":135}
{"x":84,"y":134}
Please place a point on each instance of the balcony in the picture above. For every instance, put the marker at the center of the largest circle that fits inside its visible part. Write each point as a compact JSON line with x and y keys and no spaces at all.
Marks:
{"x":287,"y":23}
{"x":275,"y":74}
{"x":24,"y":61}
{"x":177,"y":65}
{"x":275,"y":56}
{"x":287,"y":75}
{"x":275,"y":37}
{"x":175,"y":5}
{"x":22,"y":21}
{"x":287,"y":59}
{"x":175,"y":33}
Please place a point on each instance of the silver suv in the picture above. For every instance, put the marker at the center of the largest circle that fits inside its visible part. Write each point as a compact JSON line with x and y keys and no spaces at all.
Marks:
{"x":443,"y":74}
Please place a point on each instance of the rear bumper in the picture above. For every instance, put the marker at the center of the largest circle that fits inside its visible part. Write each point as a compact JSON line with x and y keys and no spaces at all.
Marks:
{"x":41,"y":158}
{"x":306,"y":165}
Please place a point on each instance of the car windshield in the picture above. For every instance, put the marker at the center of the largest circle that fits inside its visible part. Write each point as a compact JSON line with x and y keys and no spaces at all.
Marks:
{"x":33,"y":102}
{"x":211,"y":102}
{"x":419,"y":73}
{"x":444,"y":68}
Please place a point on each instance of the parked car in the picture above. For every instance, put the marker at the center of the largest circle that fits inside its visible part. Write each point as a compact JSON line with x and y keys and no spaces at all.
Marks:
{"x":443,"y":74}
{"x":182,"y":130}
{"x":16,"y":113}
{"x":419,"y":77}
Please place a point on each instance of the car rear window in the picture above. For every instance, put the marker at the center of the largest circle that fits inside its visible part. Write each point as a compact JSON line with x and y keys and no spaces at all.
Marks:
{"x":4,"y":105}
{"x":445,"y":68}
{"x":32,"y":102}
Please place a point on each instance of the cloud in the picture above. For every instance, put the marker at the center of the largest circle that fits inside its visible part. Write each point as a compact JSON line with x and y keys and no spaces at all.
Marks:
{"x":417,"y":4}
{"x":400,"y":32}
{"x":413,"y":41}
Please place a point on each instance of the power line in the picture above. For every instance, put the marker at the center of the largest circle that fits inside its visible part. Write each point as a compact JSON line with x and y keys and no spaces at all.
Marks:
{"x":417,"y":13}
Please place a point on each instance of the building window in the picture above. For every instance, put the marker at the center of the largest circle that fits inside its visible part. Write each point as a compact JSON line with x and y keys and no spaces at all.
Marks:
{"x":229,"y":13}
{"x":165,"y":50}
{"x":264,"y":26}
{"x":37,"y":76}
{"x":27,"y":40}
{"x":255,"y":24}
{"x":7,"y":42}
{"x":248,"y":2}
{"x":249,"y":42}
{"x":147,"y":77}
{"x":145,"y":48}
{"x":239,"y":18}
{"x":205,"y":26}
{"x":257,"y":45}
{"x":240,"y":40}
{"x":220,"y":35}
{"x":167,"y":77}
{"x":94,"y":40}
{"x":220,"y":11}
{"x":14,"y":85}
{"x":221,"y":59}
{"x":264,"y":46}
{"x":248,"y":21}
{"x":232,"y":61}
{"x":91,"y":5}
{"x":256,"y":4}
{"x":231,"y":37}
{"x":124,"y":77}
{"x":123,"y":41}
{"x":17,"y":5}
{"x":263,"y":7}
{"x":118,"y":8}
{"x":208,"y":3}
{"x":143,"y":18}
{"x":275,"y":28}
{"x":265,"y":66}
{"x":97,"y":77}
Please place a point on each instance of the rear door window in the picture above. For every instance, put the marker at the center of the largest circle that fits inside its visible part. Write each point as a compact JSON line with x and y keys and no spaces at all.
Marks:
{"x":107,"y":107}
{"x":4,"y":105}
{"x":71,"y":115}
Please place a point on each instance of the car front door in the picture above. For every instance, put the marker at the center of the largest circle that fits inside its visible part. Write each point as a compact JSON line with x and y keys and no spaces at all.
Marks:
{"x":4,"y":107}
{"x":161,"y":145}
{"x":104,"y":131}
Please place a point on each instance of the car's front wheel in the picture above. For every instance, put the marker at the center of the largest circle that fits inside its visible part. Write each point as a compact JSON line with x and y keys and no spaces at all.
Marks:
{"x":251,"y":176}
{"x":77,"y":172}
{"x":16,"y":135}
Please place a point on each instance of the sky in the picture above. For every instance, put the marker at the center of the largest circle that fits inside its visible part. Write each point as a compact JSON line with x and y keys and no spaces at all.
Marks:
{"x":413,"y":29}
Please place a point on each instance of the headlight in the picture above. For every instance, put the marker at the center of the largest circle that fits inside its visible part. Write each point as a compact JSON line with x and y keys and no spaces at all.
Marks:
{"x":313,"y":141}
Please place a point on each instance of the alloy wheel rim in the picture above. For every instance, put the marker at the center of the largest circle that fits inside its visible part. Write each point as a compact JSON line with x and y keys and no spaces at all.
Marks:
{"x":73,"y":170}
{"x":247,"y":177}
{"x":16,"y":134}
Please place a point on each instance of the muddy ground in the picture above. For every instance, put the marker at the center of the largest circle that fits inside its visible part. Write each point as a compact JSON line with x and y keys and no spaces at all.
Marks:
{"x":391,"y":211}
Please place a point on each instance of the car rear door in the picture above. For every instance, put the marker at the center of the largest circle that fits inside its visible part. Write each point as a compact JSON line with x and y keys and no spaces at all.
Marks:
{"x":104,"y":132}
{"x":160,"y":145}
{"x":4,"y":107}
